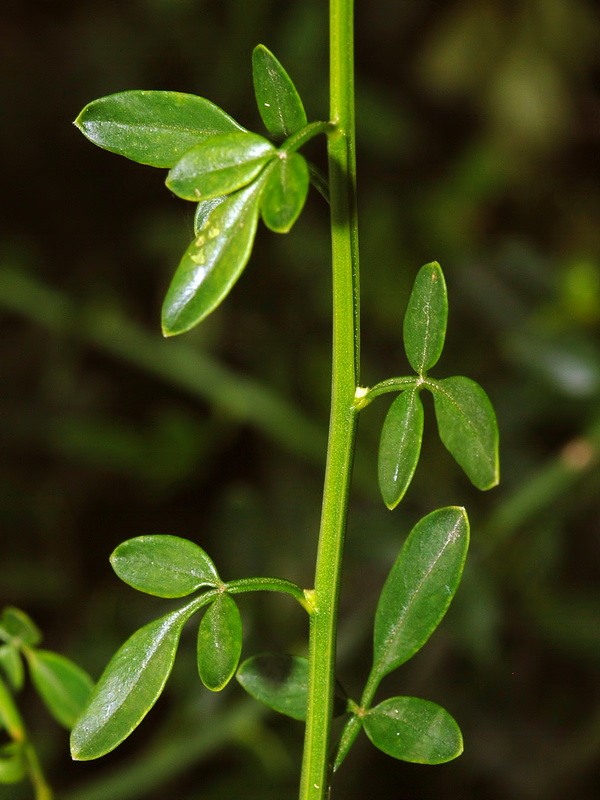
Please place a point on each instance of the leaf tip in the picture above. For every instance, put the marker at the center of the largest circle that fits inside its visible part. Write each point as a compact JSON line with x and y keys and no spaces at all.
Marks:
{"x":75,"y":745}
{"x":168,"y":326}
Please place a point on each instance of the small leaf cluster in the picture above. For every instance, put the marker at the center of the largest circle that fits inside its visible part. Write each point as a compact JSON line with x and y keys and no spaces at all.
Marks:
{"x":234,"y":176}
{"x":170,"y":567}
{"x":63,"y":687}
{"x":465,"y":416}
{"x":414,"y":599}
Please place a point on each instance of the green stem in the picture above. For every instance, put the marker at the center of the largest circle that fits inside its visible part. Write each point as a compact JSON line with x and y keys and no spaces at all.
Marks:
{"x":15,"y":727}
{"x":304,"y":135}
{"x":353,"y":726}
{"x":366,"y":396}
{"x":344,"y":415}
{"x":36,"y":775}
{"x":271,"y":585}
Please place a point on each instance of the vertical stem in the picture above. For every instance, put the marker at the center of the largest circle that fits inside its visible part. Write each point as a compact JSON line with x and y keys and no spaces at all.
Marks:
{"x":36,"y":775}
{"x":11,"y":719}
{"x":342,"y":428}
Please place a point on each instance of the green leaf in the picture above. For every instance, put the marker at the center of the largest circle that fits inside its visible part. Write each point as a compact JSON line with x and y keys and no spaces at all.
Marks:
{"x":414,"y":730}
{"x":426,"y":318}
{"x":12,"y":763}
{"x":280,"y":681}
{"x":468,"y":428}
{"x":203,"y":210}
{"x":213,"y":262}
{"x":154,"y":128}
{"x":420,"y":587}
{"x":219,"y":643}
{"x":400,"y":446}
{"x":12,"y":664}
{"x":285,"y":192}
{"x":18,"y":628}
{"x":63,"y":686}
{"x":219,"y":166}
{"x":9,"y":714}
{"x":129,"y":687}
{"x":277,"y":98}
{"x":165,"y":566}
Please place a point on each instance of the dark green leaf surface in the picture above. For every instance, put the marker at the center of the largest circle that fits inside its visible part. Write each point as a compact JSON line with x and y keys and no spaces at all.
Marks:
{"x":277,"y":98}
{"x":414,"y":730}
{"x":12,"y":763}
{"x":213,"y":262}
{"x":219,"y":643}
{"x":277,"y":680}
{"x":12,"y":665}
{"x":426,"y":318}
{"x":154,"y":128}
{"x":63,"y":686}
{"x":468,"y":428}
{"x":129,"y":687}
{"x":400,"y":446}
{"x":17,"y":627}
{"x":420,"y":587}
{"x":219,"y":166}
{"x":165,"y":566}
{"x":285,"y":192}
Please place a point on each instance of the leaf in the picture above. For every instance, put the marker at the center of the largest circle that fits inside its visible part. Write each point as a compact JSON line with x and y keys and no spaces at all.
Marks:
{"x":220,"y":165}
{"x":420,"y":587}
{"x":277,"y":98}
{"x":18,"y":628}
{"x":414,"y":730}
{"x":12,"y":763}
{"x":154,"y":128}
{"x":12,"y":664}
{"x":219,"y":643}
{"x":285,"y":192}
{"x":426,"y":318}
{"x":280,"y":681}
{"x":10,"y":719}
{"x":63,"y":686}
{"x":129,"y":687}
{"x":400,"y":446}
{"x":165,"y":566}
{"x":213,"y":262}
{"x":203,"y":209}
{"x":467,"y":427}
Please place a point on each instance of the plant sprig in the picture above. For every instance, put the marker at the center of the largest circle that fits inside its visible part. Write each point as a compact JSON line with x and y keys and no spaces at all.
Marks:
{"x":236,"y":177}
{"x":63,"y":687}
{"x":233,"y":175}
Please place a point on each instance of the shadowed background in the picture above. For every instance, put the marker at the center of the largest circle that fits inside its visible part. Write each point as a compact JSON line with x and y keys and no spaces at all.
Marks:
{"x":478,"y":146}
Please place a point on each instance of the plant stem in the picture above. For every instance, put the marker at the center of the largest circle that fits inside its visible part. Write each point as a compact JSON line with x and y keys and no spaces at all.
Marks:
{"x":41,"y":787}
{"x":270,"y":585}
{"x":343,"y":419}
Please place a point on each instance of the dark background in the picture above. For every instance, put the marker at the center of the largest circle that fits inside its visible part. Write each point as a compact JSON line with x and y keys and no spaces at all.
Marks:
{"x":479,"y":145}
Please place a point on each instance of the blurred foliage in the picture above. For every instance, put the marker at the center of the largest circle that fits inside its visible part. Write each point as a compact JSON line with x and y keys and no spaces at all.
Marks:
{"x":479,"y":139}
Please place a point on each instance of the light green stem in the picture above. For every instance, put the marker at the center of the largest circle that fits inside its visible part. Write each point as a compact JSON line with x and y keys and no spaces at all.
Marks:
{"x":36,"y":775}
{"x":271,"y":585}
{"x":342,"y":428}
{"x":15,"y":727}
